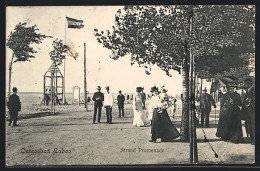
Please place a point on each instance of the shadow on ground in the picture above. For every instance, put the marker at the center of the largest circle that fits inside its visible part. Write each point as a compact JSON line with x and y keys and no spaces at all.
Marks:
{"x":37,"y":115}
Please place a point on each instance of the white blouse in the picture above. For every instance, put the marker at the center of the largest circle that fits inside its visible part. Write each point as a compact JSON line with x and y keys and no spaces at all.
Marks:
{"x":155,"y":102}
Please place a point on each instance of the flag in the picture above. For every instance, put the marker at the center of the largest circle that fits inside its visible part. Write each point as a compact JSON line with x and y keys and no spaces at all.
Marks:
{"x":71,"y":50}
{"x":73,"y":23}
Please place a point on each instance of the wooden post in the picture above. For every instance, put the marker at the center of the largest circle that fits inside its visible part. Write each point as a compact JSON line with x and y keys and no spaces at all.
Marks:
{"x":52,"y":112}
{"x":195,"y":148}
{"x":190,"y":92}
{"x":79,"y":96}
{"x":44,"y":90}
{"x":192,"y":132}
{"x":191,"y":110}
{"x":64,"y":98}
{"x":85,"y":80}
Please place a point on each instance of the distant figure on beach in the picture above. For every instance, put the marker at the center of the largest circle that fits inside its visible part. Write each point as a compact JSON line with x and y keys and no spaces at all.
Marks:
{"x":174,"y":107}
{"x":47,"y":97}
{"x":108,"y":104}
{"x":98,"y":99}
{"x":140,"y":119}
{"x":120,"y":102}
{"x":14,"y":106}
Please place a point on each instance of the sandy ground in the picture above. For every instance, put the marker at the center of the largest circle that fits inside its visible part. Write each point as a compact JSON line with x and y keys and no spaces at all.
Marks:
{"x":70,"y":138}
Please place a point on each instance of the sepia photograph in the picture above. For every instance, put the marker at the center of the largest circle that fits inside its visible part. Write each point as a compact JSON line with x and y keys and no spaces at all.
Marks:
{"x":130,"y":85}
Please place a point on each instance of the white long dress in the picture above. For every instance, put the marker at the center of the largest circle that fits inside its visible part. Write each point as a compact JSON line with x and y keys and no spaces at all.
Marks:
{"x":140,"y":119}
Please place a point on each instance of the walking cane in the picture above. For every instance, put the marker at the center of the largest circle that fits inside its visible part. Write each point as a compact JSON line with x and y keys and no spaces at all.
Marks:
{"x":215,"y":117}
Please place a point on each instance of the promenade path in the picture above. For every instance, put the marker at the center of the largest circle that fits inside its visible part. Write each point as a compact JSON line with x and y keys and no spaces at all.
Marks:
{"x":70,"y":138}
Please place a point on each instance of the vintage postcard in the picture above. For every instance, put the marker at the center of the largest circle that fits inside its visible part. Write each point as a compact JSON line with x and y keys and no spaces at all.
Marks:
{"x":130,"y":85}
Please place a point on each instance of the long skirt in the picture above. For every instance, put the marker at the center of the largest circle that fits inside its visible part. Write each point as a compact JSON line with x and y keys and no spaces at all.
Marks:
{"x":230,"y":126}
{"x":140,"y":119}
{"x":162,"y":127}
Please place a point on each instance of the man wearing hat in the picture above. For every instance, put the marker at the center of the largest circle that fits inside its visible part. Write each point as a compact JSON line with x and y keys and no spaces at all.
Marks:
{"x":249,"y":108}
{"x":14,"y":106}
{"x":120,"y":102}
{"x":98,"y":99}
{"x":206,"y":100}
{"x":108,"y":104}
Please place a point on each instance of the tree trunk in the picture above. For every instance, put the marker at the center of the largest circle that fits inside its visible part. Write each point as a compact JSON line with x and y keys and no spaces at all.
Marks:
{"x":191,"y":94}
{"x":185,"y":101}
{"x":10,"y":75}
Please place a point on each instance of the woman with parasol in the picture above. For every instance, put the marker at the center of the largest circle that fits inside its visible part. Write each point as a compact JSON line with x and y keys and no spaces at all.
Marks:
{"x":229,"y":125}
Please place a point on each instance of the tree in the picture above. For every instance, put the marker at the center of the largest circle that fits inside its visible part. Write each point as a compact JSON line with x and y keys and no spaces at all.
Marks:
{"x":58,"y":53}
{"x":238,"y":50}
{"x":19,"y":42}
{"x":57,"y":56}
{"x":161,"y":35}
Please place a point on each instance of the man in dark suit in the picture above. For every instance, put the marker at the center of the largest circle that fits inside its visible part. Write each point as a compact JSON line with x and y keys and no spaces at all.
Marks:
{"x":206,"y":100}
{"x":120,"y":102}
{"x":249,"y":108}
{"x":98,"y":99}
{"x":14,"y":106}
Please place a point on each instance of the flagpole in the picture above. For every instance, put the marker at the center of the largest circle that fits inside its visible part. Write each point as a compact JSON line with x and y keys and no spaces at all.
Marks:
{"x":63,"y":99}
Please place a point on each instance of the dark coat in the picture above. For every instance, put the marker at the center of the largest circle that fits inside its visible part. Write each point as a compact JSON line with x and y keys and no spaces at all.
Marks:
{"x":206,"y":100}
{"x":121,"y":99}
{"x":229,"y":125}
{"x":99,"y":101}
{"x":14,"y":103}
{"x":248,"y":110}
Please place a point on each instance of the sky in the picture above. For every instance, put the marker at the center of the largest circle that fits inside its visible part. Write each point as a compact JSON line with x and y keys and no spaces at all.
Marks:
{"x":101,"y":70}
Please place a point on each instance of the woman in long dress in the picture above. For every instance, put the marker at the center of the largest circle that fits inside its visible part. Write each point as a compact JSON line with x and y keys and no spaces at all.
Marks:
{"x":140,"y":119}
{"x":162,"y":126}
{"x":229,"y":125}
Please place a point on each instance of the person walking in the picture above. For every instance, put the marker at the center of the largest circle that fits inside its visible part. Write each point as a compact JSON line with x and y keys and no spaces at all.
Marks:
{"x":14,"y":106}
{"x":206,"y":100}
{"x":120,"y":102}
{"x":229,"y":125}
{"x":220,"y":95}
{"x":98,"y":99}
{"x":140,"y":119}
{"x":248,"y":109}
{"x":174,"y":107}
{"x":162,"y":126}
{"x":108,"y":104}
{"x":143,"y":97}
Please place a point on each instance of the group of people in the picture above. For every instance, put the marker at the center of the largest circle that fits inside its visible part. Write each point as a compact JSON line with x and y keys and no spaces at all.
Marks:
{"x":233,"y":110}
{"x":107,"y":100}
{"x":158,"y":117}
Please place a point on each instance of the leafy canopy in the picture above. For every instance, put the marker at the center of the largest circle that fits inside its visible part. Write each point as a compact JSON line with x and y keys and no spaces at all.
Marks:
{"x":20,"y":40}
{"x":159,"y":35}
{"x":58,"y":53}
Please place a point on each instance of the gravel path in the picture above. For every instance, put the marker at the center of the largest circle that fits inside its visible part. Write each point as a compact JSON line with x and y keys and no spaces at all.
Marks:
{"x":71,"y":139}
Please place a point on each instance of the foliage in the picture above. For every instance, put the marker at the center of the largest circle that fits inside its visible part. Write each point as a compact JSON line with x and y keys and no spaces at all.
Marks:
{"x":239,"y":26}
{"x":159,"y":35}
{"x":20,"y":40}
{"x":58,"y":53}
